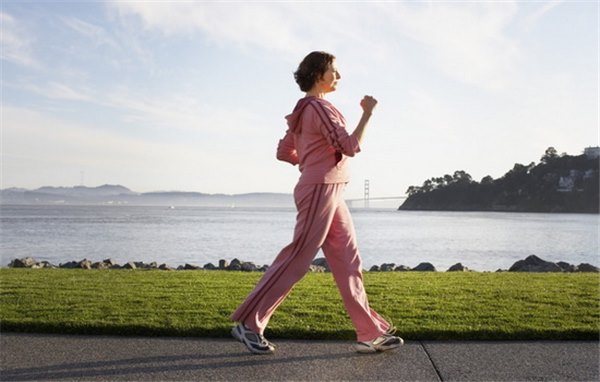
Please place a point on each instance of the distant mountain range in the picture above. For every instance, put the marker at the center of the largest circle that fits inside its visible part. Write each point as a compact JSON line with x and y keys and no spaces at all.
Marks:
{"x":117,"y":194}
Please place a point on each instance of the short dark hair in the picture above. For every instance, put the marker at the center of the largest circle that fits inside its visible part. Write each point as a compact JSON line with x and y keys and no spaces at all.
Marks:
{"x":312,"y":68}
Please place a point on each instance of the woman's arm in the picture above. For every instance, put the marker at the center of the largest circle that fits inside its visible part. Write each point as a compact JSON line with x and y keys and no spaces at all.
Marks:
{"x":368,"y":103}
{"x":286,"y":149}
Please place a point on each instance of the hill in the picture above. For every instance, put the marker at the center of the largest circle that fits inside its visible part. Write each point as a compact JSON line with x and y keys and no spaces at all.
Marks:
{"x":562,"y":183}
{"x":117,"y":194}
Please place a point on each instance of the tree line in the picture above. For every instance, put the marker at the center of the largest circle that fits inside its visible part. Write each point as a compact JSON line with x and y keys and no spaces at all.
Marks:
{"x":558,"y":183}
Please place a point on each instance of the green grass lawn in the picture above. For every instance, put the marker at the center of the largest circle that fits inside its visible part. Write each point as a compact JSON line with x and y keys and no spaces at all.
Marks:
{"x":198,"y":303}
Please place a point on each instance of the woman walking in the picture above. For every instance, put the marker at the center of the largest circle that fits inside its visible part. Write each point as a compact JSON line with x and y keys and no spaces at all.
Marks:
{"x":317,"y":141}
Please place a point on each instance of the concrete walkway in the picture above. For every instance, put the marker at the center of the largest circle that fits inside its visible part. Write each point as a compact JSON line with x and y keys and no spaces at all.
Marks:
{"x":28,"y":357}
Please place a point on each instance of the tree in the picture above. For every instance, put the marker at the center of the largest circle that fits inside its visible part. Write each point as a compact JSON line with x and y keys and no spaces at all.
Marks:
{"x":549,"y":155}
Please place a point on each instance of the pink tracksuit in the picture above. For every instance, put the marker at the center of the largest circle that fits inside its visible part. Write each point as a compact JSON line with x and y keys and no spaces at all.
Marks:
{"x":318,"y":142}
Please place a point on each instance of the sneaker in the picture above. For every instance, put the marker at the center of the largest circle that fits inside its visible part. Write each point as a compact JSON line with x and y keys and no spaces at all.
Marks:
{"x":381,"y":343}
{"x":255,"y":342}
{"x":391,"y":330}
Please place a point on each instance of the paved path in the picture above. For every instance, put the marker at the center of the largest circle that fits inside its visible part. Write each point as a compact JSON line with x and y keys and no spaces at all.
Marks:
{"x":27,"y":357}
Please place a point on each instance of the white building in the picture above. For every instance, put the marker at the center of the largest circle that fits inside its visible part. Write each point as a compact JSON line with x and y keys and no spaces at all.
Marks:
{"x":592,"y":152}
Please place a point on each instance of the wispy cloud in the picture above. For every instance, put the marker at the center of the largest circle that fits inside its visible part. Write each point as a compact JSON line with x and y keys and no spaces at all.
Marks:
{"x":94,"y":33}
{"x":468,"y":43}
{"x":16,"y":42}
{"x":58,"y":91}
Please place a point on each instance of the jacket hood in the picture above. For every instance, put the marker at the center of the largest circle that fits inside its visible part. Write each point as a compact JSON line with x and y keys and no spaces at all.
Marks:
{"x":293,"y":120}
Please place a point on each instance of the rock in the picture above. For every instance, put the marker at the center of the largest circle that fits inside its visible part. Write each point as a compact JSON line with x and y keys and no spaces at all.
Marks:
{"x":424,"y":267}
{"x":248,"y":267}
{"x":100,"y":265}
{"x":223,"y":264}
{"x":402,"y":268}
{"x":26,"y":262}
{"x":374,"y":268}
{"x":585,"y":267}
{"x":69,"y":265}
{"x":190,"y":267}
{"x":263,"y":268}
{"x":316,"y":268}
{"x":235,"y":265}
{"x":458,"y":267}
{"x":165,"y":267}
{"x":534,"y":264}
{"x":129,"y":265}
{"x":85,"y":264}
{"x":109,"y":262}
{"x":566,"y":267}
{"x":209,"y":266}
{"x":321,"y":262}
{"x":387,"y":267}
{"x":46,"y":264}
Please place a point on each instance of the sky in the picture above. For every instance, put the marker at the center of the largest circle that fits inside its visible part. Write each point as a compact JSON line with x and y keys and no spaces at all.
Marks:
{"x":191,"y":96}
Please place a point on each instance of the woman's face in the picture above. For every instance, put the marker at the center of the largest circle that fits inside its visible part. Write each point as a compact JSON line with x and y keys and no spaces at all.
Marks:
{"x":328,"y":83}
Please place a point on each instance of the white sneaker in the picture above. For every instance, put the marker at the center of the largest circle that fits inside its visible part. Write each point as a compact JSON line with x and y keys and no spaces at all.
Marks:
{"x":255,"y":342}
{"x":381,"y":343}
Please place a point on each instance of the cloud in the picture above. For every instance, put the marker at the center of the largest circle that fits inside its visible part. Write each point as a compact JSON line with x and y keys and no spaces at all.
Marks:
{"x":63,"y":148}
{"x":58,"y":91}
{"x":468,"y":43}
{"x":16,"y":43}
{"x":242,"y":24}
{"x":94,"y":33}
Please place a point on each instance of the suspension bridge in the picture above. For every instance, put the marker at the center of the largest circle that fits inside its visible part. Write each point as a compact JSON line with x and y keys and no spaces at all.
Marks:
{"x":366,"y":200}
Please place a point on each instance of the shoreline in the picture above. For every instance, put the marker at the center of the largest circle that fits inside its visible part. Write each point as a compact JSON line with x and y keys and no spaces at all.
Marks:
{"x":531,"y":264}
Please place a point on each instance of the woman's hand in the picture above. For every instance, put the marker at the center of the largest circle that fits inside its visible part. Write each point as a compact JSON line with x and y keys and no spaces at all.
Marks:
{"x":368,"y":103}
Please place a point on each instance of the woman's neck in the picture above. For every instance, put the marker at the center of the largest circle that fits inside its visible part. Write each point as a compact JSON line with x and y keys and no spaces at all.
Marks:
{"x":315,"y":93}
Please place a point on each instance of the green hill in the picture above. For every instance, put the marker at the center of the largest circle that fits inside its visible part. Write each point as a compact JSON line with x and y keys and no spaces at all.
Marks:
{"x":559,"y":183}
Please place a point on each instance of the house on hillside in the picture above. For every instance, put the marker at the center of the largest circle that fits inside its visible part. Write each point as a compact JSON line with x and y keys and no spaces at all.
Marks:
{"x":592,"y":152}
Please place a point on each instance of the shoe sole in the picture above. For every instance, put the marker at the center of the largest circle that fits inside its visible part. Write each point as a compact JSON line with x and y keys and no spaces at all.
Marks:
{"x":240,"y":338}
{"x":371,"y":350}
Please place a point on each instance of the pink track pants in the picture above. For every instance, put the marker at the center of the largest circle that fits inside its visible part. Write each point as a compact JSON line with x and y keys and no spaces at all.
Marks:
{"x":323,"y":221}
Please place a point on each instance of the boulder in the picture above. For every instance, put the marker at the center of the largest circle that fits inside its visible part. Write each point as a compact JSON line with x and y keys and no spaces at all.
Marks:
{"x":458,"y":267}
{"x":402,"y":268}
{"x":316,"y":268}
{"x":387,"y":267}
{"x":263,"y":268}
{"x":26,"y":262}
{"x":70,"y":265}
{"x":321,"y":262}
{"x":129,"y":265}
{"x":46,"y":264}
{"x":534,"y":264}
{"x":424,"y":267}
{"x":190,"y":267}
{"x":235,"y":265}
{"x":109,"y":262}
{"x":223,"y":264}
{"x":248,"y":267}
{"x":585,"y":267}
{"x":566,"y":267}
{"x":165,"y":267}
{"x":100,"y":265}
{"x":374,"y":268}
{"x":209,"y":266}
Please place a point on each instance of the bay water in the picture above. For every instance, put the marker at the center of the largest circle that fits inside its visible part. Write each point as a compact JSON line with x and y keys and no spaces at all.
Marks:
{"x":483,"y":241}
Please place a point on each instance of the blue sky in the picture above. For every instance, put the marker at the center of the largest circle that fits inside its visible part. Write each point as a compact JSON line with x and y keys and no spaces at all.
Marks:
{"x":182,"y":95}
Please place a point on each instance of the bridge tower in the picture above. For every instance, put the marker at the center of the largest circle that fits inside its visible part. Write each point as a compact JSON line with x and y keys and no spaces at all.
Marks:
{"x":367,"y":193}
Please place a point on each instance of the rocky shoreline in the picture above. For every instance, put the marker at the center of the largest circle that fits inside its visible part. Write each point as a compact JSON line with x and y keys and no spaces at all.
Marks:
{"x":532,"y":264}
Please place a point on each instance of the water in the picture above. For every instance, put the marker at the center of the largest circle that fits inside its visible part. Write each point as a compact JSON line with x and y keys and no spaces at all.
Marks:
{"x":480,"y":240}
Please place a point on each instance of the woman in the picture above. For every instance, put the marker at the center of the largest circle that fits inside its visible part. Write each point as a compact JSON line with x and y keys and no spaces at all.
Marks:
{"x":318,"y":142}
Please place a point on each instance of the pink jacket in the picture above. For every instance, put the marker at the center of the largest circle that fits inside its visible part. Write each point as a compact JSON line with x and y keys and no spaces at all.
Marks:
{"x":318,"y":142}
